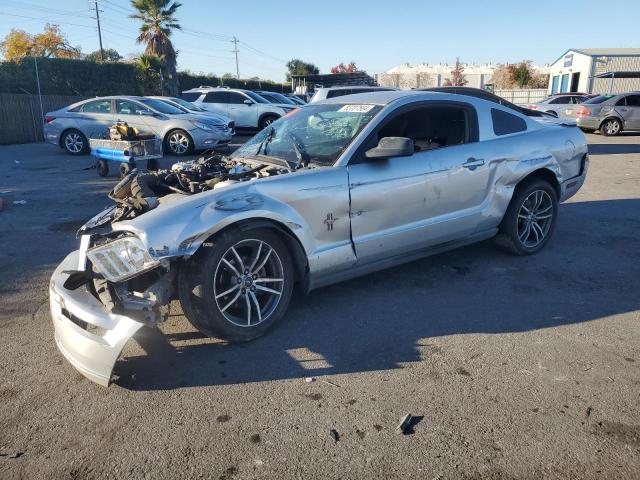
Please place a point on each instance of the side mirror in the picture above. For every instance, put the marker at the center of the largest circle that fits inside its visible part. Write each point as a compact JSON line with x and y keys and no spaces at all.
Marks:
{"x":248,"y":102}
{"x":391,"y":147}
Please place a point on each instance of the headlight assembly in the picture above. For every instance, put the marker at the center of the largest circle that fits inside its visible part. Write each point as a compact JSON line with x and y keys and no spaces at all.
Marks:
{"x":201,"y":125}
{"x":121,"y":259}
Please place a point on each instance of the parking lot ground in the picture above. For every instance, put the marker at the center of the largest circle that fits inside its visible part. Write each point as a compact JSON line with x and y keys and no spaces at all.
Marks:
{"x":517,"y":368}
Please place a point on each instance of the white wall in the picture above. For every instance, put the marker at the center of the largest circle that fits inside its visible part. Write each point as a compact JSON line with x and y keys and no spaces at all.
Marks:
{"x":581,"y":63}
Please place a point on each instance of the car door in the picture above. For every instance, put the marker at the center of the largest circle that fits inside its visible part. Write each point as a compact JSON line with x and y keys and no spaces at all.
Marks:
{"x":136,"y":115}
{"x":631,"y":112}
{"x":245,"y":114}
{"x":95,"y":117}
{"x":403,"y":204}
{"x":216,"y":102}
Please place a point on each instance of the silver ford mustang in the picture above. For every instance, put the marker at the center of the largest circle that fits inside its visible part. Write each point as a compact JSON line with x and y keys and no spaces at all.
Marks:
{"x":331,"y":191}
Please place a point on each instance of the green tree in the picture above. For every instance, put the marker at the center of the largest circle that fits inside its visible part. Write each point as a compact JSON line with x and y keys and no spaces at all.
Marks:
{"x":298,"y":67}
{"x":522,"y":73}
{"x":110,"y":55}
{"x":158,"y":22}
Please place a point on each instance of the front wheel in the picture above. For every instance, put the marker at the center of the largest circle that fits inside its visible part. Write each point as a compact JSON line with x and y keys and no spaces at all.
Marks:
{"x":239,"y":288}
{"x":530,"y":219}
{"x":179,"y":142}
{"x":611,"y":127}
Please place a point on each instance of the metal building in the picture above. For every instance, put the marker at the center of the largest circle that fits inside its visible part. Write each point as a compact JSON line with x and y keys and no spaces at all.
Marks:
{"x":596,"y":70}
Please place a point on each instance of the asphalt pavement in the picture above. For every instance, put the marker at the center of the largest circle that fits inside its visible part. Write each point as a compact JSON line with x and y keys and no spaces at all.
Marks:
{"x":514,"y":368}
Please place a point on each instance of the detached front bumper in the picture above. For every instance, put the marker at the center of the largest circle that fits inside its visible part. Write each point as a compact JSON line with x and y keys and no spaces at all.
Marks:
{"x":90,"y":337}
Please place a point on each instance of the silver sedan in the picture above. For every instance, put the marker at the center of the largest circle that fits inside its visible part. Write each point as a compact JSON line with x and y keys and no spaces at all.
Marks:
{"x":182,"y":133}
{"x":611,"y":114}
{"x":332,"y":191}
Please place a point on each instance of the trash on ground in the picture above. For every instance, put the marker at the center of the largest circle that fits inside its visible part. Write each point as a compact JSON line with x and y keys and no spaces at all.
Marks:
{"x":334,"y":433}
{"x":407,"y":423}
{"x":309,"y":379}
{"x":330,"y":383}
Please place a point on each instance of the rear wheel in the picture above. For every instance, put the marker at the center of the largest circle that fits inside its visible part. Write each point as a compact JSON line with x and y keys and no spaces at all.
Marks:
{"x":611,"y":127}
{"x":240,"y":288}
{"x":268,"y":120}
{"x":530,"y":219}
{"x":74,"y":142}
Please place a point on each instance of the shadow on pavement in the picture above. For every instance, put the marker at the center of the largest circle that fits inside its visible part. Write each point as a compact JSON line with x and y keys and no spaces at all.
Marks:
{"x":613,"y":148}
{"x":590,"y":270}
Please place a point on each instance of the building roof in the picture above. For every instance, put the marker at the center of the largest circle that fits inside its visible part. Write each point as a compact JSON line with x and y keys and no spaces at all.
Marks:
{"x":335,"y":79}
{"x":603,"y":52}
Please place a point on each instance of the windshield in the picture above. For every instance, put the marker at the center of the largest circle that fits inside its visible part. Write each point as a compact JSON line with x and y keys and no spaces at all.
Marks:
{"x":255,"y":97}
{"x":316,"y":134}
{"x":599,"y":99}
{"x":161,"y":106}
{"x":187,"y":105}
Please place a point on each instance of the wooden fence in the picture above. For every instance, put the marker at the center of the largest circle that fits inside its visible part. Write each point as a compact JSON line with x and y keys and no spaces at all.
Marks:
{"x":20,"y":117}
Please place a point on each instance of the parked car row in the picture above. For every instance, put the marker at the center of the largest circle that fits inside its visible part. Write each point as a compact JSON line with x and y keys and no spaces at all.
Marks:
{"x":183,"y":127}
{"x":611,"y":114}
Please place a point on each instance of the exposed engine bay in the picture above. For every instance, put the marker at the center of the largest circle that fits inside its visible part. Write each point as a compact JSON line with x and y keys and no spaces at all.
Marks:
{"x":141,"y":191}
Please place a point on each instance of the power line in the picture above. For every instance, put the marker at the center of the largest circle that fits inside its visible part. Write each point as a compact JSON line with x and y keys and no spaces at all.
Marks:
{"x":47,"y":19}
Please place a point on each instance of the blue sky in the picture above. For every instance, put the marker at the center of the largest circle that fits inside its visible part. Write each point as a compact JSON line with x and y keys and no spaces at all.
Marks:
{"x":376,"y":35}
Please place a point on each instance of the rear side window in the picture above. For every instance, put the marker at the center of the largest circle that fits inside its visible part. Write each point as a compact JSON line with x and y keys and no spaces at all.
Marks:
{"x":622,"y":102}
{"x":98,"y":106}
{"x":191,"y":96}
{"x":338,"y":93}
{"x":216,"y":97}
{"x":505,"y":123}
{"x":561,"y":100}
{"x":633,"y":101}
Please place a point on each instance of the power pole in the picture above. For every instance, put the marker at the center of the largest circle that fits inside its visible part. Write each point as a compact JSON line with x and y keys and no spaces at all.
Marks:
{"x":235,"y":50}
{"x":99,"y":31}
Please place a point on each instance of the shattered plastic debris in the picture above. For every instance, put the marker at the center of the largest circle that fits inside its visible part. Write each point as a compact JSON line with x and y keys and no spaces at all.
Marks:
{"x":309,"y":379}
{"x":334,"y":433}
{"x":407,"y":423}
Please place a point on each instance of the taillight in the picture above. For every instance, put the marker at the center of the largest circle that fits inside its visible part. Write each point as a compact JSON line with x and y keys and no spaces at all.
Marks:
{"x":49,"y":119}
{"x":583,"y":112}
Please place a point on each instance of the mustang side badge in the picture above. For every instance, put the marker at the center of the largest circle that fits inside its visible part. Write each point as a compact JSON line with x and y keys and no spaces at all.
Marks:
{"x":329,"y":221}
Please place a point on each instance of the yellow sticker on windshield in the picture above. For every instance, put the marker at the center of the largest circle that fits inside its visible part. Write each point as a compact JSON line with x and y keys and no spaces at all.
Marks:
{"x":356,"y":108}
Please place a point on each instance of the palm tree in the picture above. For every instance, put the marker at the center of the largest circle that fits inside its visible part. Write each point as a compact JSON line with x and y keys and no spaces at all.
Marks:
{"x":158,"y":21}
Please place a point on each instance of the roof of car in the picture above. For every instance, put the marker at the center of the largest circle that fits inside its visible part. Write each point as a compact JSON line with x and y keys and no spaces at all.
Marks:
{"x":351,"y":87}
{"x":383,"y":97}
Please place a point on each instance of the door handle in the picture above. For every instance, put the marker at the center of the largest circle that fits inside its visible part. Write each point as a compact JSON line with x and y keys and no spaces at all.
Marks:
{"x":473,"y":163}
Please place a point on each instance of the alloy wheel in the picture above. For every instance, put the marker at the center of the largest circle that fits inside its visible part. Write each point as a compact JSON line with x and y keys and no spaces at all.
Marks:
{"x":178,"y":143}
{"x":248,"y":283}
{"x":73,"y":142}
{"x":611,"y":127}
{"x":535,"y":218}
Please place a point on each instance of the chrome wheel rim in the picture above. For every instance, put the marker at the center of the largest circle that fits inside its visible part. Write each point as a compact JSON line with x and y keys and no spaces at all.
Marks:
{"x":612,"y":127}
{"x":178,"y":143}
{"x":248,"y":283}
{"x":534,"y":218}
{"x":73,"y":142}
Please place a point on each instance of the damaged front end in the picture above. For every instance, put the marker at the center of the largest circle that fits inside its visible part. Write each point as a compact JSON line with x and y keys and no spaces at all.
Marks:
{"x":103,"y":293}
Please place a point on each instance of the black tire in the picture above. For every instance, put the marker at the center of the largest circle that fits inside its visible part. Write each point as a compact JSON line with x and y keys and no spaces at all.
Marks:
{"x":74,"y":142}
{"x":267,"y":120}
{"x":103,"y":168}
{"x":207,"y":273}
{"x":611,"y":127}
{"x":513,"y":234}
{"x":178,"y":142}
{"x":588,"y":130}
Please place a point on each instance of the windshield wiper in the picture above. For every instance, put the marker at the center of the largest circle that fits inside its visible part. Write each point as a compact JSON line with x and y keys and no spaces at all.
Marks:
{"x":301,"y":153}
{"x":265,"y":142}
